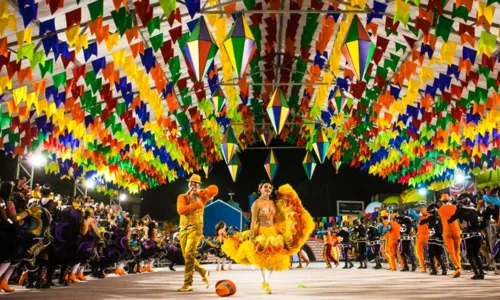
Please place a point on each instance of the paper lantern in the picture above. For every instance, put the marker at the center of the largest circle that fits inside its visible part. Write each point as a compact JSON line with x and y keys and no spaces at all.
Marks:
{"x":218,"y":99}
{"x":240,"y":45}
{"x":320,"y":144}
{"x":278,"y":110}
{"x":337,"y":165}
{"x":200,"y":49}
{"x":266,"y":137}
{"x":358,"y":48}
{"x":309,"y":164}
{"x":271,"y":165}
{"x":235,"y":167}
{"x":207,"y":169}
{"x":339,"y":100}
{"x":229,"y":145}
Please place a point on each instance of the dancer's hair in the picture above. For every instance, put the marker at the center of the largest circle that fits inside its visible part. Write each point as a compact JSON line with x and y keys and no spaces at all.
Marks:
{"x":219,"y":226}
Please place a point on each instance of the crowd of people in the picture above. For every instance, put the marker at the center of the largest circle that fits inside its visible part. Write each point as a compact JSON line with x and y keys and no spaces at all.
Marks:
{"x":440,"y":230}
{"x":42,"y":234}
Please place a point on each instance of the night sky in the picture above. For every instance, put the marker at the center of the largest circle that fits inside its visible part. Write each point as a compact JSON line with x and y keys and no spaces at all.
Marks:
{"x":318,"y":195}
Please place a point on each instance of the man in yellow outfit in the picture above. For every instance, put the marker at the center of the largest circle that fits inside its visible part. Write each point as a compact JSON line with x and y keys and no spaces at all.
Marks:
{"x":190,"y":207}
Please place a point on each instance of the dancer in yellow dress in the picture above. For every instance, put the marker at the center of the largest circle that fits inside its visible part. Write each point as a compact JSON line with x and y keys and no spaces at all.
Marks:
{"x":279,"y":229}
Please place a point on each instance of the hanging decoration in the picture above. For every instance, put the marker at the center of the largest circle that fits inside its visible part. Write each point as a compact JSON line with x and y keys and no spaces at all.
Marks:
{"x":309,"y":164}
{"x":235,"y":167}
{"x":207,"y":169}
{"x":266,"y":137}
{"x":229,"y":145}
{"x":271,"y":165}
{"x":320,"y":144}
{"x":339,"y":100}
{"x":358,"y":48}
{"x":336,"y":165}
{"x":278,"y":110}
{"x":240,"y":45}
{"x":134,"y":120}
{"x":218,"y":99}
{"x":200,"y":49}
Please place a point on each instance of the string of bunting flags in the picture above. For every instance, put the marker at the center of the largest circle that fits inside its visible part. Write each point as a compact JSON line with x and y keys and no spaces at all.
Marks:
{"x":135,"y":94}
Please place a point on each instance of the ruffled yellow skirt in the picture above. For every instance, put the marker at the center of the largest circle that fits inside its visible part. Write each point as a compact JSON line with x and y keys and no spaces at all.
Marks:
{"x":272,"y":247}
{"x":266,"y":250}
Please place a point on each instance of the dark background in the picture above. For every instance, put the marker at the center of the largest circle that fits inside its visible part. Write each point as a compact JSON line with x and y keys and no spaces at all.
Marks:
{"x":318,"y":195}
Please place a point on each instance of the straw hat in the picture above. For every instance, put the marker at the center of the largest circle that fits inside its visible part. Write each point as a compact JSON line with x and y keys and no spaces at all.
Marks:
{"x":195,"y":178}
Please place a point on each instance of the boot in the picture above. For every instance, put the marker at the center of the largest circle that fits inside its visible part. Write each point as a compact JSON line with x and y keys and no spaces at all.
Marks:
{"x":131,"y":268}
{"x":350,"y":265}
{"x":5,"y":286}
{"x":72,"y":278}
{"x":474,"y":269}
{"x":480,"y":269}
{"x":443,"y":265}
{"x":30,"y":281}
{"x":433,"y":268}
{"x":405,"y":268}
{"x":345,"y":266}
{"x":80,"y":276}
{"x":42,"y":275}
{"x":48,"y":278}
{"x":63,"y":277}
{"x":360,"y":265}
{"x":22,"y":279}
{"x":413,"y":267}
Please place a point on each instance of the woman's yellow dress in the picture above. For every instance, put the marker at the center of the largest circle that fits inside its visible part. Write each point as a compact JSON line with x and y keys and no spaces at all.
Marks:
{"x":272,"y":246}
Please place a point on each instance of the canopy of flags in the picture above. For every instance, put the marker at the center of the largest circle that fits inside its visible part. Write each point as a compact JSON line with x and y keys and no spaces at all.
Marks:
{"x":134,"y":94}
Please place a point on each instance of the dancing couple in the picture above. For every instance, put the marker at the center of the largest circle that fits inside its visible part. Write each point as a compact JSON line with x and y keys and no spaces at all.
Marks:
{"x":279,"y":229}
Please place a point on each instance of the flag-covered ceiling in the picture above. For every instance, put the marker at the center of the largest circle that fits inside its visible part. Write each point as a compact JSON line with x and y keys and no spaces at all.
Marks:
{"x":134,"y":94}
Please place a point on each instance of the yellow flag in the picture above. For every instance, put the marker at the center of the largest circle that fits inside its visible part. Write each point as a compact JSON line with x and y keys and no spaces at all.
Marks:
{"x":19,"y":94}
{"x":72,"y":34}
{"x":5,"y":82}
{"x":4,"y":9}
{"x":119,"y":57}
{"x":112,"y":41}
{"x":23,"y":36}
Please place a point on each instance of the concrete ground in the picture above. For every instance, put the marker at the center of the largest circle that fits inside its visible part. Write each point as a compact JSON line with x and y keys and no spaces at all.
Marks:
{"x":313,"y":282}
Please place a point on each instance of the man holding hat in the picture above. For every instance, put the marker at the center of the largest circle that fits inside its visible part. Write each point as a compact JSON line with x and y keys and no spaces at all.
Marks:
{"x":190,"y":207}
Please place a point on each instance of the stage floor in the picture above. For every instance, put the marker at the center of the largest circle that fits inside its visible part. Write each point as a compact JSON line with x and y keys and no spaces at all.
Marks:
{"x":313,"y":282}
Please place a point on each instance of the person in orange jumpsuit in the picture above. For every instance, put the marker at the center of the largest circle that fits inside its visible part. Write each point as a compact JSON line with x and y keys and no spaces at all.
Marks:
{"x":391,"y":230}
{"x":451,"y":232}
{"x":327,"y":249}
{"x":422,"y":238}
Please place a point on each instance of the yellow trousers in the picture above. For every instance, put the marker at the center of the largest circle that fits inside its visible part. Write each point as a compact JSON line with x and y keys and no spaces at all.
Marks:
{"x":452,"y":240}
{"x":189,"y":240}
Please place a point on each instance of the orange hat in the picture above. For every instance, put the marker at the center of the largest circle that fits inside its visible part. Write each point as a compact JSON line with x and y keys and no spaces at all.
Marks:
{"x":445,"y":197}
{"x":195,"y":178}
{"x":225,"y":288}
{"x":424,"y":211}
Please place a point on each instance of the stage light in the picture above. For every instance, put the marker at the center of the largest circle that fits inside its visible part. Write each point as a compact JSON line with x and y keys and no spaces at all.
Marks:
{"x":38,"y":160}
{"x":459,"y":178}
{"x":123,"y":197}
{"x":89,"y":183}
{"x":422,"y":191}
